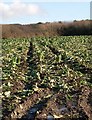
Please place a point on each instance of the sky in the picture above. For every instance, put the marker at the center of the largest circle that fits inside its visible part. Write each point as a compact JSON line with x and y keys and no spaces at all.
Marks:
{"x":29,"y":11}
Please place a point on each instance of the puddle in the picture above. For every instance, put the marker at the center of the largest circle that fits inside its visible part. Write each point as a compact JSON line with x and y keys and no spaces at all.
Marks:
{"x":31,"y":114}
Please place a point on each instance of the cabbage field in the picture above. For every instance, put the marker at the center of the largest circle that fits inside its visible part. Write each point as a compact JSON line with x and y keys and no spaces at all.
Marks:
{"x":47,"y":78}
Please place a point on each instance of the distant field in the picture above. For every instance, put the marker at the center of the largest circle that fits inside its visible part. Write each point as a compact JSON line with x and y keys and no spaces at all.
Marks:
{"x":54,"y":73}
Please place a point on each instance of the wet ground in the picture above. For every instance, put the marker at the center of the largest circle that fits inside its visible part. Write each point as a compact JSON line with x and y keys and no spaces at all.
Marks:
{"x":50,"y":103}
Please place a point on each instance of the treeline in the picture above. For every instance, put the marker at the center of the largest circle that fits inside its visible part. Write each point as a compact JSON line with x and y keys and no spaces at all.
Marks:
{"x":76,"y":28}
{"x":83,"y":27}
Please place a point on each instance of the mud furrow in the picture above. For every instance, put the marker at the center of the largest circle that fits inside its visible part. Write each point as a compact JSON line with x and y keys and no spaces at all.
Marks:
{"x":23,"y":108}
{"x":83,"y":102}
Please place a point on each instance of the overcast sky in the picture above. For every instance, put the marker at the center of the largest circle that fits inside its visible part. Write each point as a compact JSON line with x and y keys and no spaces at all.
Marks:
{"x":26,"y":12}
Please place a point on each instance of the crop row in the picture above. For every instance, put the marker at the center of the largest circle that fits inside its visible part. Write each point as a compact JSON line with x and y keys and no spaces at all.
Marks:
{"x":57,"y":63}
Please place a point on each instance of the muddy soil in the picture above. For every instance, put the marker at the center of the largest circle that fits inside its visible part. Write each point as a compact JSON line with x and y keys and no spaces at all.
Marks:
{"x":47,"y":103}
